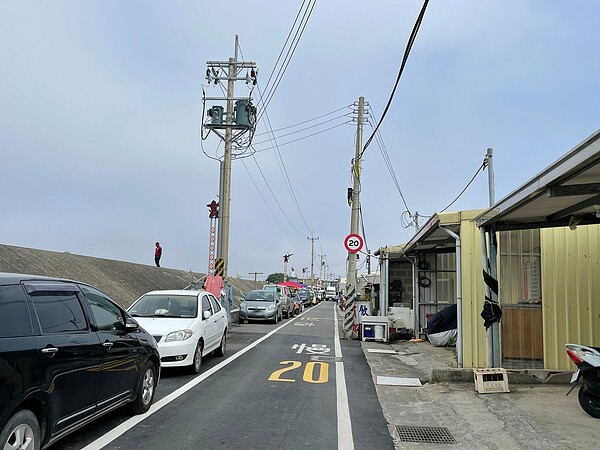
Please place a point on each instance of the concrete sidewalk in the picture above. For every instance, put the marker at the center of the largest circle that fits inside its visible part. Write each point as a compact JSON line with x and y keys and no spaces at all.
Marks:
{"x":533,"y":415}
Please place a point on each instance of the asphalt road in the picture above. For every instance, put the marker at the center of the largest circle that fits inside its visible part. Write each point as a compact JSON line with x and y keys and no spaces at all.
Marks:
{"x":292,"y":385}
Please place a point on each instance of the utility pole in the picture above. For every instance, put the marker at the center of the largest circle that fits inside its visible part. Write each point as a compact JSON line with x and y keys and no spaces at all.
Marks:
{"x":255,"y":273}
{"x":493,"y":331}
{"x":350,"y":325}
{"x":312,"y":240}
{"x":321,"y":265}
{"x":243,"y":120}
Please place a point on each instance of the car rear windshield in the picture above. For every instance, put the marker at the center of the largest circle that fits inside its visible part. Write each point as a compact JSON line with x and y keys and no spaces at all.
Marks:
{"x":161,"y":305}
{"x":260,"y":296}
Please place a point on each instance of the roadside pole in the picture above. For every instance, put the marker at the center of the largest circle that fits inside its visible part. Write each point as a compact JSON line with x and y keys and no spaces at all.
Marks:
{"x":255,"y":273}
{"x":350,"y":321}
{"x":312,"y":240}
{"x":242,"y":121}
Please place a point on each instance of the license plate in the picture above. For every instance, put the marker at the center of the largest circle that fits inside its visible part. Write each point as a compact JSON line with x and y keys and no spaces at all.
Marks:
{"x":575,"y":377}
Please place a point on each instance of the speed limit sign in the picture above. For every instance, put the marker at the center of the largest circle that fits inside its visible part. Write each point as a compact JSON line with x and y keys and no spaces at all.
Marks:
{"x":353,"y":243}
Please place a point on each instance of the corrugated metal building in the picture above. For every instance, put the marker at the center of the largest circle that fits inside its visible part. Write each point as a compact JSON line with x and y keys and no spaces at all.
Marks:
{"x":547,"y":267}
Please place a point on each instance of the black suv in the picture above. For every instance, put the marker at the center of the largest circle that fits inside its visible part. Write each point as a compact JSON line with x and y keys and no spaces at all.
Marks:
{"x":68,"y":354}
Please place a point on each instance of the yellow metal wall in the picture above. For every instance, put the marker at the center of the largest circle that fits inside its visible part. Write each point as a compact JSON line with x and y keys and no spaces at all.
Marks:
{"x":570,"y":291}
{"x":474,"y":340}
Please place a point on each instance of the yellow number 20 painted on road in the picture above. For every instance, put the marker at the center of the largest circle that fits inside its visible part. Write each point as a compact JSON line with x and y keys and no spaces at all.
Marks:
{"x":309,"y":371}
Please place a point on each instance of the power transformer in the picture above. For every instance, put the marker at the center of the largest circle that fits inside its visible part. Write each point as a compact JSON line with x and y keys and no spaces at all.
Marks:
{"x":216,"y":115}
{"x":245,"y":113}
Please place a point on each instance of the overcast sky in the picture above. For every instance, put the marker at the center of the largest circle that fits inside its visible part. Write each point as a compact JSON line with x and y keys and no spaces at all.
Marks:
{"x":102,"y":109}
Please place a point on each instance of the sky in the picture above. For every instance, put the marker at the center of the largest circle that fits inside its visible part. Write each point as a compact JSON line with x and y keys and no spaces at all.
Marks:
{"x":102,"y":109}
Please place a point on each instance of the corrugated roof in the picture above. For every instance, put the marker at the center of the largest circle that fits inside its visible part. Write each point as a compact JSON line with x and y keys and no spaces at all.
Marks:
{"x":566,"y":191}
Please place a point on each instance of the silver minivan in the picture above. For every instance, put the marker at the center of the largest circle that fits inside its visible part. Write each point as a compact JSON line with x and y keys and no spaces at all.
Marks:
{"x":283,"y":292}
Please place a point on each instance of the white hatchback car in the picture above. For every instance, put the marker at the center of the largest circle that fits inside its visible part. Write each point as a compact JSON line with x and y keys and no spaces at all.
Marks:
{"x":186,"y":325}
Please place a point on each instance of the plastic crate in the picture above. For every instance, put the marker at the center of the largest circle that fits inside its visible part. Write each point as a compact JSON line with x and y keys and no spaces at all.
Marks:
{"x":489,"y":381}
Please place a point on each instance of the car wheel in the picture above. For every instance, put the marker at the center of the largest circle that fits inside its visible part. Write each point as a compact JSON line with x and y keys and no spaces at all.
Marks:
{"x":197,"y":363}
{"x":21,"y":431}
{"x":220,"y":350}
{"x":145,"y":391}
{"x":240,"y":320}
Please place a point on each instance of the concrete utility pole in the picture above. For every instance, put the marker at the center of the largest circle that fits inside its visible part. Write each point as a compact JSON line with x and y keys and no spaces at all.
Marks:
{"x":312,"y":240}
{"x":350,"y":326}
{"x":255,"y":273}
{"x":214,"y":73}
{"x":321,"y":266}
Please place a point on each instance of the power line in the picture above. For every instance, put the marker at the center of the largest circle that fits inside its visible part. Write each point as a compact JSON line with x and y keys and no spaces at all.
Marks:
{"x":465,"y":188}
{"x":269,"y":208}
{"x":299,"y":131}
{"x":290,"y":53}
{"x":275,"y":198}
{"x":409,"y":45}
{"x":388,"y":162}
{"x":304,"y":137}
{"x":306,"y":121}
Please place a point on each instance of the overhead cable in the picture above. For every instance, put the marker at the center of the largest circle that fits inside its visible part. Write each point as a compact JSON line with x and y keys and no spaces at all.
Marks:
{"x":409,"y":45}
{"x":270,"y":89}
{"x":269,"y":208}
{"x":466,"y":187}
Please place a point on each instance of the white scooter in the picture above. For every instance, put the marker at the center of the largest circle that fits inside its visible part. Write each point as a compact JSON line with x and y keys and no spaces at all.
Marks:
{"x":587,"y":360}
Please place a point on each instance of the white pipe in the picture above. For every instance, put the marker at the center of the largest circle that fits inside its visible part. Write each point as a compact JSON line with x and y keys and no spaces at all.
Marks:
{"x":459,"y":352}
{"x":383,"y":284}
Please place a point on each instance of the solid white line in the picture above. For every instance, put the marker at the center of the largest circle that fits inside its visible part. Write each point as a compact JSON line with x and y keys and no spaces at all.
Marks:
{"x":344,"y":424}
{"x":128,"y":424}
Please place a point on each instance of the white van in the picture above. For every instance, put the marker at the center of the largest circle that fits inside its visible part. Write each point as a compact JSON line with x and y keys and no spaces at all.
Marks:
{"x":330,"y":293}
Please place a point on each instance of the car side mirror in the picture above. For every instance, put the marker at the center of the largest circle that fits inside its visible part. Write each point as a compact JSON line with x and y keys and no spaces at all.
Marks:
{"x":131,"y":324}
{"x":206,"y":314}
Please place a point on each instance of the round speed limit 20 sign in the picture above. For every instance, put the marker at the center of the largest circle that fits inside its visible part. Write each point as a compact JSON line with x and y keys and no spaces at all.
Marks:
{"x":354,"y":243}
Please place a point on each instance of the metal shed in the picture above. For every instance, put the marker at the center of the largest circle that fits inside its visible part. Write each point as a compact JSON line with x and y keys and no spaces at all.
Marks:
{"x":558,"y":202}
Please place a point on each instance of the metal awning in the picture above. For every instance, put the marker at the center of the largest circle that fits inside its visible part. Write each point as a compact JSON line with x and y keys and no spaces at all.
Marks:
{"x":565,"y":193}
{"x":433,"y":237}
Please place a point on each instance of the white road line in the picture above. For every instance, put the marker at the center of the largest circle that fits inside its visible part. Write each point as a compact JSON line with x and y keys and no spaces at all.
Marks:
{"x":130,"y":423}
{"x":344,"y":424}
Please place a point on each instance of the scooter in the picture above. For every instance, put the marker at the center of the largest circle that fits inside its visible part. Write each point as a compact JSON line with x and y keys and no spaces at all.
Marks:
{"x":587,"y":360}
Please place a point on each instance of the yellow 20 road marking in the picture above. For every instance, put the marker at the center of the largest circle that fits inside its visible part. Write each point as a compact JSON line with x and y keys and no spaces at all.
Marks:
{"x":308,"y":375}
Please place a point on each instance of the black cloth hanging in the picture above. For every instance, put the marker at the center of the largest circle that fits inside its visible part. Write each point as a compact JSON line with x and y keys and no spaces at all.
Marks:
{"x":491,"y":310}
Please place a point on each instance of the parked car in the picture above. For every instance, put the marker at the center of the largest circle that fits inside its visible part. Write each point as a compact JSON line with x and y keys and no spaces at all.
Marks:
{"x":186,"y":324}
{"x":68,"y":354}
{"x":298,"y":304}
{"x":261,"y":305}
{"x":285,"y":297}
{"x":306,"y":296}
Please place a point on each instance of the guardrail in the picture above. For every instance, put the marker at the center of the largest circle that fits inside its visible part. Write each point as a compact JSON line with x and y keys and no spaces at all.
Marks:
{"x":234,"y":315}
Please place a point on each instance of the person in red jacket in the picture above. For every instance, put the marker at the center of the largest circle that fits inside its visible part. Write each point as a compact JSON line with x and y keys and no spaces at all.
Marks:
{"x":157,"y":254}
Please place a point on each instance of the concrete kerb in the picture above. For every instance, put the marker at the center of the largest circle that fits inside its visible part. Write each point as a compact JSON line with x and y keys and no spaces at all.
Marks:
{"x":439,"y":364}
